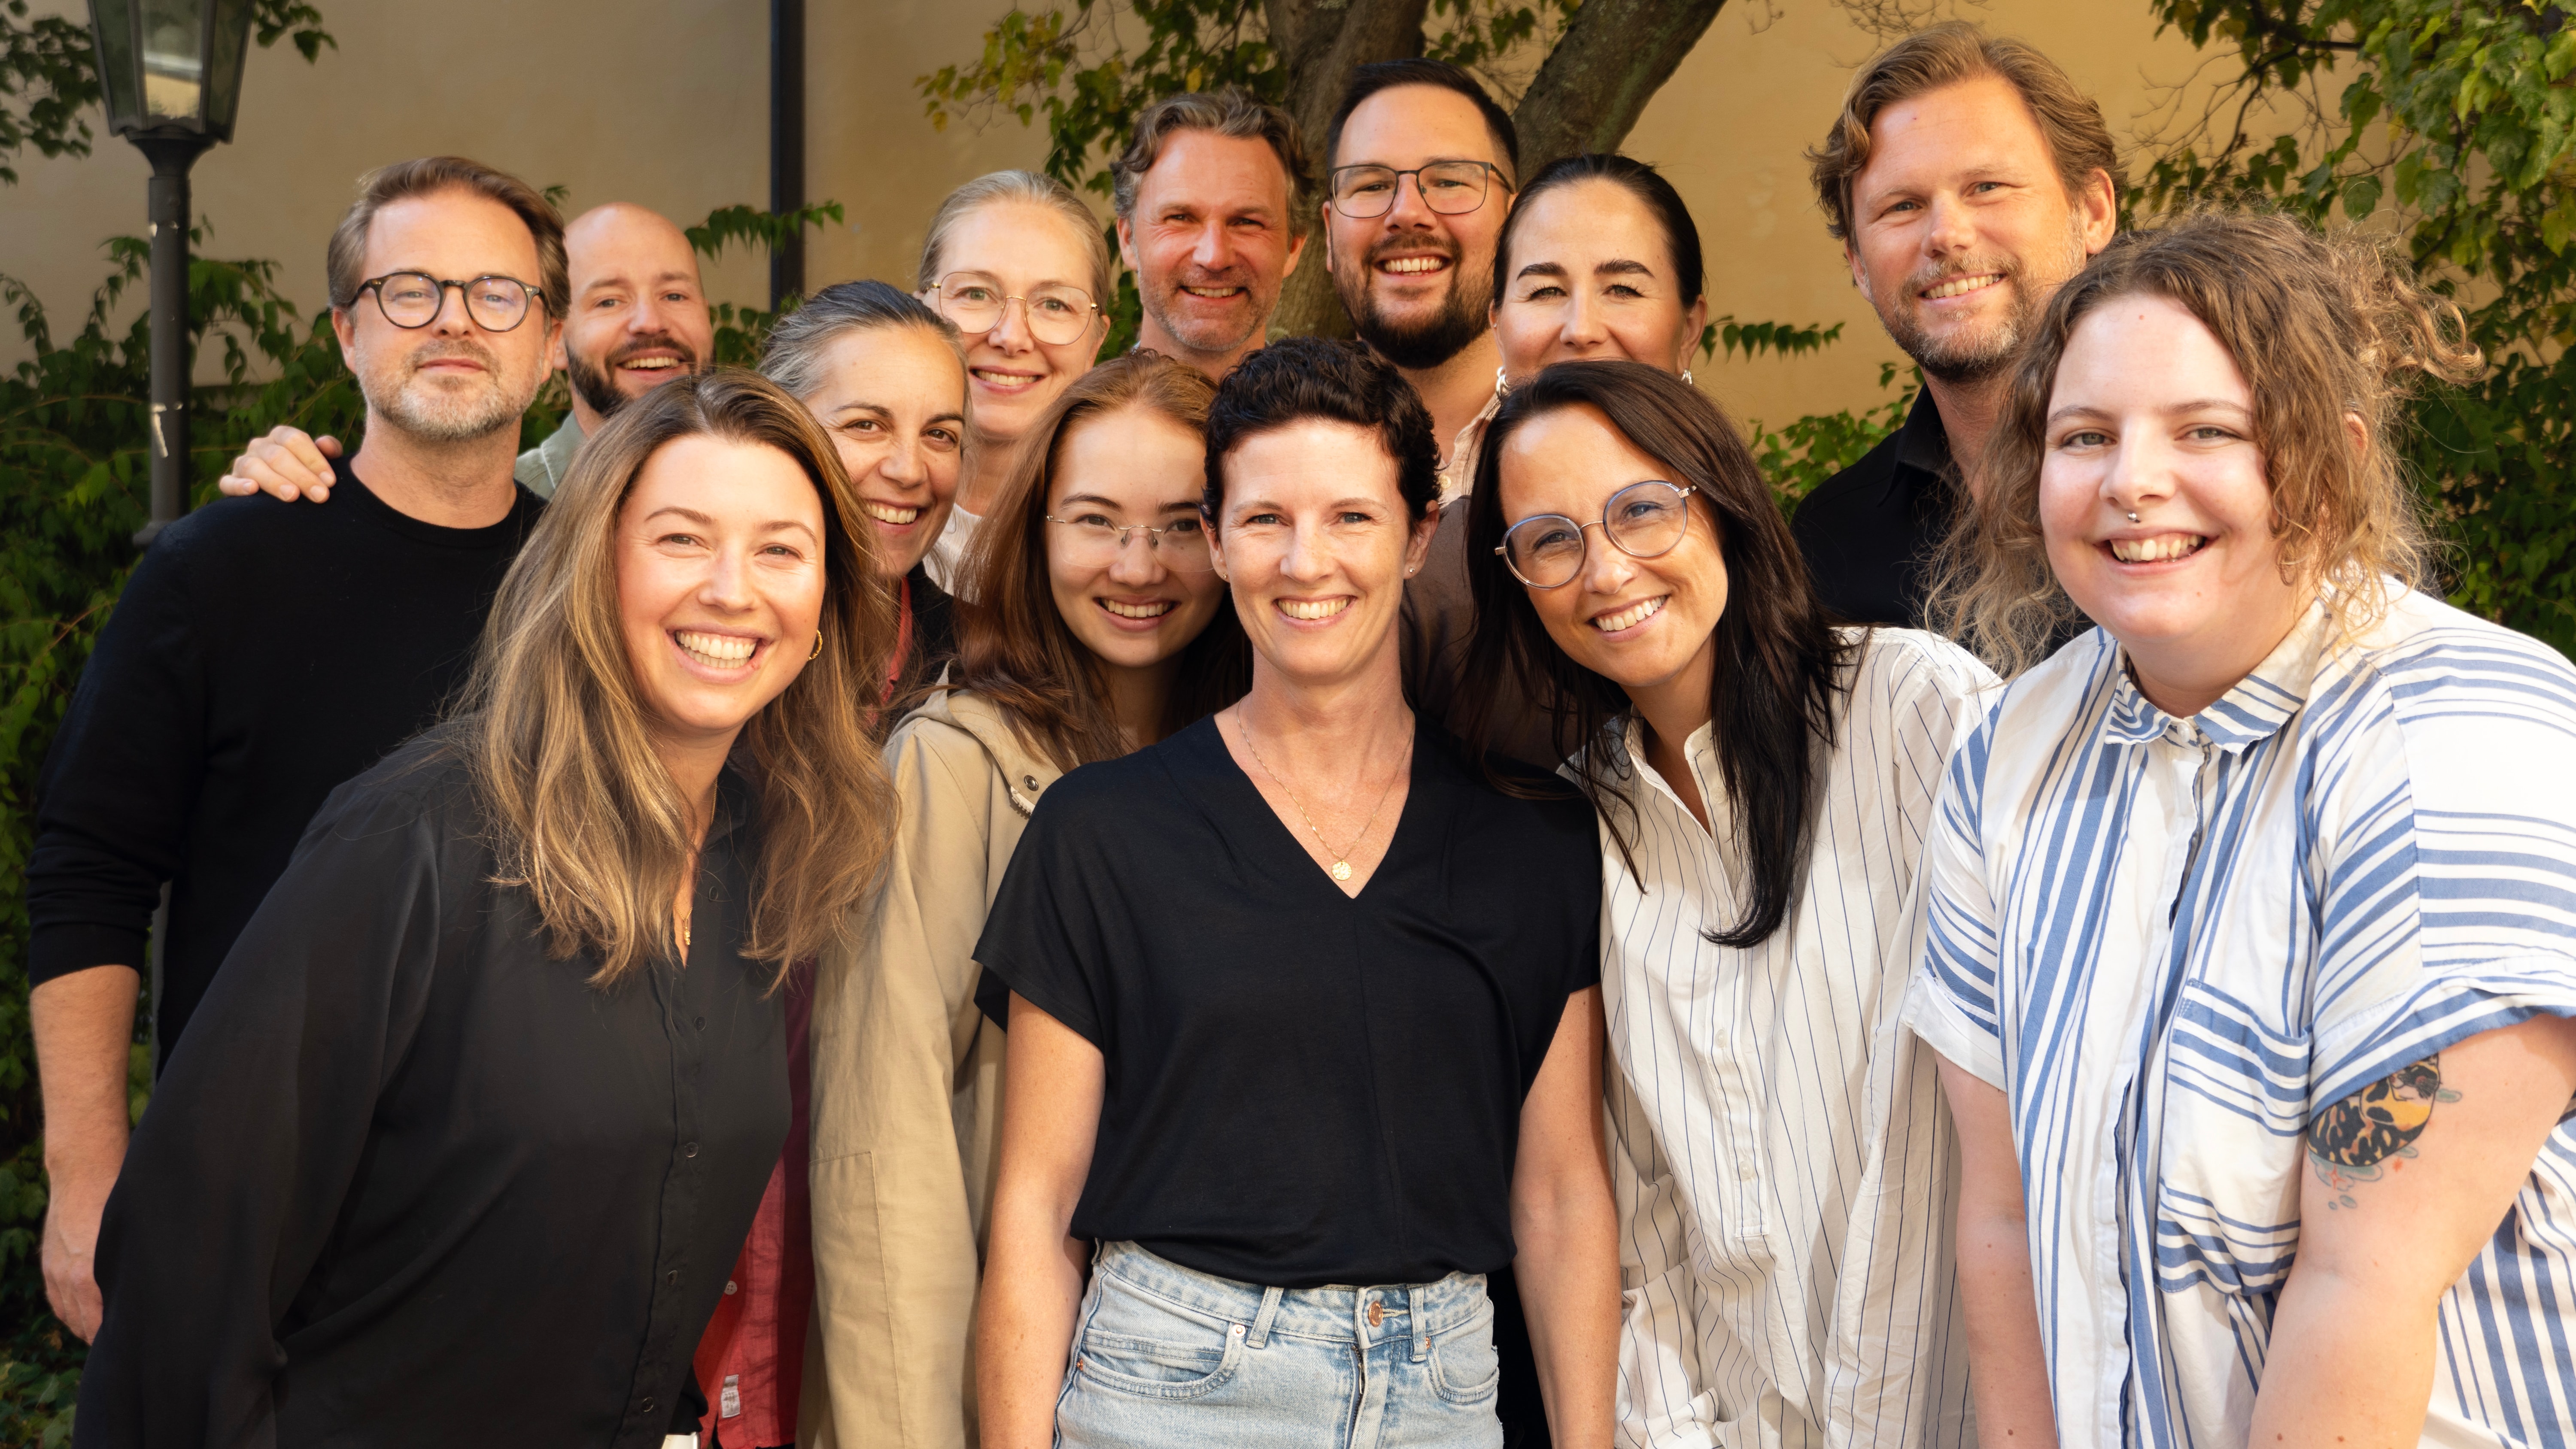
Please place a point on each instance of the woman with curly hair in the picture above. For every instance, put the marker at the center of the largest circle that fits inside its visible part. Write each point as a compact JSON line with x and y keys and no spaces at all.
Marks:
{"x":2253,"y":947}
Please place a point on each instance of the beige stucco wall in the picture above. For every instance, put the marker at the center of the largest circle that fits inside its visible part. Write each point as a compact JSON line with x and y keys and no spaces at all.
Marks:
{"x":664,"y":102}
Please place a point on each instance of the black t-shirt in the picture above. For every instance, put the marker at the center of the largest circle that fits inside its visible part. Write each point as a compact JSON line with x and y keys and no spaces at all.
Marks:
{"x":1302,"y":1088}
{"x":262,"y":653}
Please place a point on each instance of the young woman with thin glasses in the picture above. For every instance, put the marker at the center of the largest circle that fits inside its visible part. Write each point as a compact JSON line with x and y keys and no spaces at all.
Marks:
{"x":1096,"y":625}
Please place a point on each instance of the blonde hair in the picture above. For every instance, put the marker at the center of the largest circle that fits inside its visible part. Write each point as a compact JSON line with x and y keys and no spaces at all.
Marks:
{"x":2327,"y":331}
{"x":588,"y":820}
{"x":1029,"y":187}
{"x":1944,"y":55}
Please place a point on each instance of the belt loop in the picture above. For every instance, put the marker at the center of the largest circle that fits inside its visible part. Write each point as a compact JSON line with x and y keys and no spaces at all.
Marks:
{"x":1260,"y":1335}
{"x":1419,"y":1321}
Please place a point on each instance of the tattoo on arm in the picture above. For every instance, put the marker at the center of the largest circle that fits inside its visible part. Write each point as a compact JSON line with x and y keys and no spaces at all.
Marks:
{"x":2368,"y":1135}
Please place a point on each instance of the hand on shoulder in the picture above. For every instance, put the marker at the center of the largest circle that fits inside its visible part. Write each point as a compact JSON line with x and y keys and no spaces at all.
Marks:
{"x":287,"y":463}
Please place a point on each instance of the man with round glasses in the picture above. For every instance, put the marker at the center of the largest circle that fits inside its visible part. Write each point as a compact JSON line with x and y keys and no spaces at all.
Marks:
{"x":636,"y":316}
{"x":262,"y":654}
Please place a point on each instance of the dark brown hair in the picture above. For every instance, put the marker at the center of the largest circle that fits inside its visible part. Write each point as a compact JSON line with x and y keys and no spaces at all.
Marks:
{"x":1386,"y":75}
{"x":588,"y":820}
{"x":1013,"y":646}
{"x":1232,"y":112}
{"x":382,"y":187}
{"x":2324,"y":330}
{"x":1297,"y":378}
{"x":1779,"y":660}
{"x":1946,"y":54}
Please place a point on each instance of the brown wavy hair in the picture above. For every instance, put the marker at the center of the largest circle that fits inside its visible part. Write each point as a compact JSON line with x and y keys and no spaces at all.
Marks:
{"x":1013,"y":646}
{"x":2324,"y":328}
{"x":1780,"y":661}
{"x":1944,"y":55}
{"x":587,"y":820}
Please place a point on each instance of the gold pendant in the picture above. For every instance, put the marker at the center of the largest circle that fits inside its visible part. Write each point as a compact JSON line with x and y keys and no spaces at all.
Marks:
{"x":1341,"y":870}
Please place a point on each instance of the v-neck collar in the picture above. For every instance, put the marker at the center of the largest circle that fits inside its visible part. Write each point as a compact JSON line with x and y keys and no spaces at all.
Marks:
{"x":1244,"y":815}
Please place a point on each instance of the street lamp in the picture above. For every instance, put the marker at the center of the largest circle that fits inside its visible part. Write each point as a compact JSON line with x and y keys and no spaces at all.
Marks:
{"x":172,"y":73}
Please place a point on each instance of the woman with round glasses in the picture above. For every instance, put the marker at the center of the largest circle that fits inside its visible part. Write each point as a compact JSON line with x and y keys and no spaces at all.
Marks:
{"x":1764,"y":782}
{"x":1599,"y":259}
{"x":1019,"y":265}
{"x":1304,"y":1031}
{"x":1098,"y":625}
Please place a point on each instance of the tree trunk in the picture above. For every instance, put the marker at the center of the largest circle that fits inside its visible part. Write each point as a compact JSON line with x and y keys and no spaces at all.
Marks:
{"x":1611,"y":60}
{"x":1325,"y":43}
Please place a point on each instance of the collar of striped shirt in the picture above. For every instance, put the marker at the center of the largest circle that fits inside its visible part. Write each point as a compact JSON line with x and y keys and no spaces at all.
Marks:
{"x":2165,"y":939}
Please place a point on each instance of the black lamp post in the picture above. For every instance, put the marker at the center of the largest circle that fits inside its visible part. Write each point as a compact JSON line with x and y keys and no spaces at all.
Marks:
{"x":171,"y":70}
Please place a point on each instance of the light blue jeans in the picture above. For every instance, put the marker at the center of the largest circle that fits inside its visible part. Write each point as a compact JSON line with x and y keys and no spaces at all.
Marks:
{"x":1165,"y":1357}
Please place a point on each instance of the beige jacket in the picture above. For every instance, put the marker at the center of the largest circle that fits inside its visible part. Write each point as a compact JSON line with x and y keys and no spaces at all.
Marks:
{"x":907,"y":1079}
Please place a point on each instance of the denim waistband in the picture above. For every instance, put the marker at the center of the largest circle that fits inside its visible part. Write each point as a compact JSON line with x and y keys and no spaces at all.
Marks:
{"x":1337,"y":1313}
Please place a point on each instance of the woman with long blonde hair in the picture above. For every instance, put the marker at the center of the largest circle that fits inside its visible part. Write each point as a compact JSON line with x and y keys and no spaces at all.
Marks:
{"x":472,"y":1125}
{"x":2253,"y":909}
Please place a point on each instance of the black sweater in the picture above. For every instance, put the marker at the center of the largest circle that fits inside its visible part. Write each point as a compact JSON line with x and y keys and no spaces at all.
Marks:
{"x":262,"y":653}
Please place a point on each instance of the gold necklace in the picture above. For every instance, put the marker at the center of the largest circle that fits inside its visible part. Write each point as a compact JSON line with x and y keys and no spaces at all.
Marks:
{"x":1341,"y":858}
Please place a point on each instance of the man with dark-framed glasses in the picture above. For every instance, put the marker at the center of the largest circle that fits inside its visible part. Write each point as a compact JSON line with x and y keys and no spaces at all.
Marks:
{"x":634,"y":317}
{"x":265,"y":652}
{"x":1421,"y":169}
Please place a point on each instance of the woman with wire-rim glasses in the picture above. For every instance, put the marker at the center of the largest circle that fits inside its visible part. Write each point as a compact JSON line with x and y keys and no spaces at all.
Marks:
{"x":1764,"y":781}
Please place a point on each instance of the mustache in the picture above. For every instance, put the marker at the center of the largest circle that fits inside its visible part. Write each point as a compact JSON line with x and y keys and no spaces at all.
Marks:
{"x":1200,"y":277}
{"x":430,"y":352}
{"x":1933,"y":276}
{"x":653,"y":342}
{"x":1412,"y":244}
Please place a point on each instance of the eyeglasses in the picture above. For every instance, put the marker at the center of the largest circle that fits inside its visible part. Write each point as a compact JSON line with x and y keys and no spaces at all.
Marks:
{"x":414,"y":299}
{"x":1093,"y":542}
{"x":975,"y":302}
{"x":1646,"y":520}
{"x":1447,"y":187}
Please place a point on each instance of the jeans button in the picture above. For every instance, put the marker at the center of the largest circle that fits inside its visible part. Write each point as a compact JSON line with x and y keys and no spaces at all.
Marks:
{"x":1377,"y":1313}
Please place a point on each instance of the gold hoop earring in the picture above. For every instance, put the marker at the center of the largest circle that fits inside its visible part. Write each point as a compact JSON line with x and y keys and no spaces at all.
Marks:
{"x":818,"y":646}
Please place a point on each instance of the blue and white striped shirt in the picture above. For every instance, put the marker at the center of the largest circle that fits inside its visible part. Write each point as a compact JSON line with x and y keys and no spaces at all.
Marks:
{"x":2172,"y":942}
{"x":1783,"y":1161}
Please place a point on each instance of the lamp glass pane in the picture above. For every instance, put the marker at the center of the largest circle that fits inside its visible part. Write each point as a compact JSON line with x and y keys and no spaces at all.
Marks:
{"x":112,"y":22}
{"x":229,"y":38}
{"x":174,"y":61}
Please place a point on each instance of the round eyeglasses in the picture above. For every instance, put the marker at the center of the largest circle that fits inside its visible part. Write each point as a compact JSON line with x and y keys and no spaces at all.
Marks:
{"x":975,"y":301}
{"x":1093,"y":542}
{"x":414,"y":299}
{"x":1646,"y":520}
{"x":1447,"y":187}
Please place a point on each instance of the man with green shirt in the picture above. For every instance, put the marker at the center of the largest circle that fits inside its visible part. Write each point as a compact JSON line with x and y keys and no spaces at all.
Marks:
{"x":636,"y":319}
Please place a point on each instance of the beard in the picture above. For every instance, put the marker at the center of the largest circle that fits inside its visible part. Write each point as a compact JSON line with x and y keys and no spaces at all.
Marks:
{"x":1213,"y":335}
{"x":446,"y":414}
{"x":1976,"y":354}
{"x":597,"y":385}
{"x":1420,"y":344}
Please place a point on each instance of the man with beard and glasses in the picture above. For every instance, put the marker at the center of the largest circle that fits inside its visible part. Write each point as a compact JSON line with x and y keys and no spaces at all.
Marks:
{"x":1967,"y":178}
{"x":1422,"y":168}
{"x":1207,"y":195}
{"x":636,"y":319}
{"x":262,"y":653}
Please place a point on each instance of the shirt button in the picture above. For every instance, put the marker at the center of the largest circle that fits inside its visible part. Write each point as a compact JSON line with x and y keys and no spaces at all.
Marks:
{"x":672,"y":1277}
{"x":688,"y":1149}
{"x":702,"y":1023}
{"x":646,"y":1406}
{"x":731,"y":1286}
{"x":1746,"y":1173}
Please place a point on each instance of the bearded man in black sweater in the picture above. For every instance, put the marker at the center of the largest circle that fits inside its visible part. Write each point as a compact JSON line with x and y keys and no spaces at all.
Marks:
{"x":263,"y":652}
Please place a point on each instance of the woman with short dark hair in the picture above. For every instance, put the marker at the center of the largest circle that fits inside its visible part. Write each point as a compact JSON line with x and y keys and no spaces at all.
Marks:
{"x":1304,"y":1023}
{"x":1764,"y":781}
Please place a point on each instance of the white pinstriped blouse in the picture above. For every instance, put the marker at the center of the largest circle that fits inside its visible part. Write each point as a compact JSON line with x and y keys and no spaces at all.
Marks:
{"x":1783,"y":1161}
{"x":2172,"y":942}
